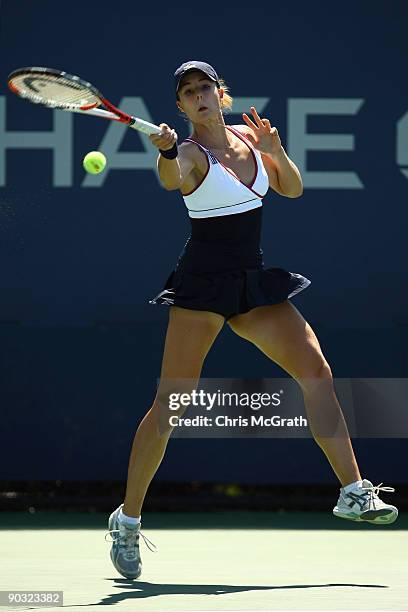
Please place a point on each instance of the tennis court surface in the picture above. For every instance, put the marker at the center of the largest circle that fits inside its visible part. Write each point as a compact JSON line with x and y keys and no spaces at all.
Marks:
{"x":216,"y":561}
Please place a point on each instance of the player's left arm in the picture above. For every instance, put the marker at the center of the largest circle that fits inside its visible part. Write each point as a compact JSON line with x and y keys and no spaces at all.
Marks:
{"x":284,"y":176}
{"x":282,"y":171}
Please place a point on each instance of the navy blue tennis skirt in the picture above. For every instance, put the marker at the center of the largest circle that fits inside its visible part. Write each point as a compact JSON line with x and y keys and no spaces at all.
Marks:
{"x":226,"y":279}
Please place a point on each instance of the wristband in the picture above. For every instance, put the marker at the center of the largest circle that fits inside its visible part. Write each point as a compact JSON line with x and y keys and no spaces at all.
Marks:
{"x":170,"y":153}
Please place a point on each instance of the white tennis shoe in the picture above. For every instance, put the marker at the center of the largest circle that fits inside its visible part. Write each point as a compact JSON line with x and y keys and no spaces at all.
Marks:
{"x":363,"y":504}
{"x":125,"y":554}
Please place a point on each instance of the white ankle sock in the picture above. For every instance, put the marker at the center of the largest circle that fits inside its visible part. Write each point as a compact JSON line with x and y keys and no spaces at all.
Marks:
{"x":131,"y":520}
{"x":352,"y":485}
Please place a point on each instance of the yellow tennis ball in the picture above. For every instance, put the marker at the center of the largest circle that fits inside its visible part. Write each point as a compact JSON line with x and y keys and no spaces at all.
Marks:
{"x":94,"y":162}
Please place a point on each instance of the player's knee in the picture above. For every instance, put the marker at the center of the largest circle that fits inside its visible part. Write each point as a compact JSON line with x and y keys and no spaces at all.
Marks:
{"x":316,"y":375}
{"x":169,"y":404}
{"x":160,"y":414}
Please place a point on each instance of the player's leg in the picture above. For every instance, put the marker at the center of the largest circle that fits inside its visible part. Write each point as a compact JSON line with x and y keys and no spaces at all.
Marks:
{"x":281,"y":332}
{"x":189,"y":337}
{"x":284,"y":336}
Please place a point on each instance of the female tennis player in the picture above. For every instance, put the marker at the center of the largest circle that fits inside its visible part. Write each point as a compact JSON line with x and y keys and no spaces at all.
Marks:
{"x":223,"y":172}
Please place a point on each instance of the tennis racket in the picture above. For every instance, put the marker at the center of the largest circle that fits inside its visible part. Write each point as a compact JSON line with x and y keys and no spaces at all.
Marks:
{"x":57,"y":89}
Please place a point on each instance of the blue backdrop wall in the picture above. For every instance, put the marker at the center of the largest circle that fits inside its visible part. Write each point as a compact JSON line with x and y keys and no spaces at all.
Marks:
{"x":81,"y":256}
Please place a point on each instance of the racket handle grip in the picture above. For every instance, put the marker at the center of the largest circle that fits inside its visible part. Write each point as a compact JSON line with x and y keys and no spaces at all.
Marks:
{"x":144,"y":126}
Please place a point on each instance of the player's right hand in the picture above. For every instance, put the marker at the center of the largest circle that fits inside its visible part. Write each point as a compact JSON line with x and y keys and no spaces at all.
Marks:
{"x":166,"y":139}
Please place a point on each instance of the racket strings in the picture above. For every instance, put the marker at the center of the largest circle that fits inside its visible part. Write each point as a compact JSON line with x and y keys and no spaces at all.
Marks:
{"x":54,"y":91}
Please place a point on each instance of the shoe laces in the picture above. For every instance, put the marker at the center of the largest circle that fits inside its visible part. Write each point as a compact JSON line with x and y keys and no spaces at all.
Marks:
{"x":128,"y":538}
{"x":372,"y":492}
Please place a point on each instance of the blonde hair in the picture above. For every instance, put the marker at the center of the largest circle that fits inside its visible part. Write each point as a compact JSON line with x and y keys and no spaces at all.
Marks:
{"x":226,"y":101}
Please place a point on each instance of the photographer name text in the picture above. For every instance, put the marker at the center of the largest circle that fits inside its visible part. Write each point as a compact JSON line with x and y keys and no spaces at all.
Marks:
{"x":225,"y":421}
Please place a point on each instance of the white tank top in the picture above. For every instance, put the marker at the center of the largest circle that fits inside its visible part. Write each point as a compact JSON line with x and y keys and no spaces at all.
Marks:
{"x":221,"y":192}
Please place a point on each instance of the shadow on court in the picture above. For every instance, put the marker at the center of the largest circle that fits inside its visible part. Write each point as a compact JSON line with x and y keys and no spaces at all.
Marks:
{"x":143,"y":590}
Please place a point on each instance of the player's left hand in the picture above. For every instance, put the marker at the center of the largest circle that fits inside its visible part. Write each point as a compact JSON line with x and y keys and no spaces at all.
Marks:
{"x":264,"y":138}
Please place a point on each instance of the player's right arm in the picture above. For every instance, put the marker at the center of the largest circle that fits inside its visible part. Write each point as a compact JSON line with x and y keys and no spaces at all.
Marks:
{"x":172,"y":172}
